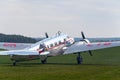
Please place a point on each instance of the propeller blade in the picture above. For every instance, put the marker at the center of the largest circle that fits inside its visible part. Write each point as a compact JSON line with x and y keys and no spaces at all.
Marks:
{"x":83,"y":36}
{"x":46,"y":35}
{"x":87,"y":41}
{"x":90,"y":53}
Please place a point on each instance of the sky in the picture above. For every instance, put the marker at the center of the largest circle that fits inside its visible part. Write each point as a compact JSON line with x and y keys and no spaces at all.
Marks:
{"x":96,"y":18}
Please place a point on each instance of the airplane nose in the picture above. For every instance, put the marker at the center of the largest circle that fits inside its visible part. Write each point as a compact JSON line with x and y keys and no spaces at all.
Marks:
{"x":40,"y":50}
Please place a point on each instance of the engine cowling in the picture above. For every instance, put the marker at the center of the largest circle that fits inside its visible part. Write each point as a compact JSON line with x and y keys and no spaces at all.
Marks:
{"x":85,"y":40}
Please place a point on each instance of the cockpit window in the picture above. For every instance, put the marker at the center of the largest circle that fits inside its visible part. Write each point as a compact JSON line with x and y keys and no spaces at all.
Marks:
{"x":68,"y":37}
{"x":47,"y":46}
{"x":41,"y":46}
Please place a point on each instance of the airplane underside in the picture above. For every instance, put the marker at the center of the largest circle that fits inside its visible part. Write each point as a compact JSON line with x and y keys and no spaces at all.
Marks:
{"x":53,"y":52}
{"x":43,"y":59}
{"x":24,"y":58}
{"x":16,"y":58}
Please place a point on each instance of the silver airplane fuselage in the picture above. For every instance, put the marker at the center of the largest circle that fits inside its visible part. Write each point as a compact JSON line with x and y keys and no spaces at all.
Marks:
{"x":55,"y":45}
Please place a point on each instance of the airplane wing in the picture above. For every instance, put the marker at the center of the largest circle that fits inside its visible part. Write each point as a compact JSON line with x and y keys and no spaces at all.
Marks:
{"x":23,"y":52}
{"x":83,"y":46}
{"x":13,"y":46}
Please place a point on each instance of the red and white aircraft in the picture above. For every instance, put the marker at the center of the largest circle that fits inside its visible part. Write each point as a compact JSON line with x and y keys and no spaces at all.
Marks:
{"x":60,"y":44}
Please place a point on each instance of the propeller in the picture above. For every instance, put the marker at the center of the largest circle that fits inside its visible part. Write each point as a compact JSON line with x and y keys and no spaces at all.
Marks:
{"x":46,"y":35}
{"x":83,"y":36}
{"x":84,"y":39}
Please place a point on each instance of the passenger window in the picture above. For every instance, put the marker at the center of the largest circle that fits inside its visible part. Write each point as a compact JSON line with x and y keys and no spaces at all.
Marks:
{"x":55,"y":43}
{"x":51,"y":45}
{"x":59,"y":42}
{"x":64,"y":40}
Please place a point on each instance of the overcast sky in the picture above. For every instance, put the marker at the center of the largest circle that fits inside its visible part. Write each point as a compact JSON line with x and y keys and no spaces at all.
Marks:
{"x":97,"y":18}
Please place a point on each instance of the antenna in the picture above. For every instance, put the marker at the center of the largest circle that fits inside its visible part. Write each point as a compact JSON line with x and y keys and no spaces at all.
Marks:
{"x":59,"y":33}
{"x":46,"y":35}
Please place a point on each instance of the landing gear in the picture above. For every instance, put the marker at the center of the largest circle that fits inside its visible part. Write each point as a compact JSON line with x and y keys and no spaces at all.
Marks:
{"x":44,"y":61}
{"x":14,"y":63}
{"x":79,"y":59}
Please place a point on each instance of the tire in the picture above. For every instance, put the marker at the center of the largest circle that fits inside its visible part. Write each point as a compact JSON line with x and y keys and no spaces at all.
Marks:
{"x":44,"y":61}
{"x":79,"y":60}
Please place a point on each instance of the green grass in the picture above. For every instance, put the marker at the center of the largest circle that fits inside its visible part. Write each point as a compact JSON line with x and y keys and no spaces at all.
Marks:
{"x":103,"y":65}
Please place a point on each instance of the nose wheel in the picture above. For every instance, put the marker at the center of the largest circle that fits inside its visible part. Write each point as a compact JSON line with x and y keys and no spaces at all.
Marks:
{"x":14,"y":63}
{"x":79,"y":59}
{"x":44,"y":61}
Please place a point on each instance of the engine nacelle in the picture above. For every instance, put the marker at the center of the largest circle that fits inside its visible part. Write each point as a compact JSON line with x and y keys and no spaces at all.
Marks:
{"x":86,"y":40}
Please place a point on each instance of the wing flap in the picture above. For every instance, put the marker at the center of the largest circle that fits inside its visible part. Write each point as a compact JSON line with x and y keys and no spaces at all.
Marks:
{"x":82,"y":46}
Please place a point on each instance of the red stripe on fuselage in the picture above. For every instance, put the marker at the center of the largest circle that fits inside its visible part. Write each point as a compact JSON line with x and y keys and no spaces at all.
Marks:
{"x":62,"y":43}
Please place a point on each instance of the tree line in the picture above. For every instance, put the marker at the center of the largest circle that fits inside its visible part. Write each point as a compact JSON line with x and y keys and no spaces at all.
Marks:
{"x":16,"y":38}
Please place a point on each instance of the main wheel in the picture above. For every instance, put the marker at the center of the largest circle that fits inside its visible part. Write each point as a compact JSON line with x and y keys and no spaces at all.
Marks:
{"x":44,"y":61}
{"x":79,"y":60}
{"x":14,"y":63}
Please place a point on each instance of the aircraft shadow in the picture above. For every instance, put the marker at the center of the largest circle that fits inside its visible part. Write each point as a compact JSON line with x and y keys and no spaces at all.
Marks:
{"x":30,"y":64}
{"x":60,"y":64}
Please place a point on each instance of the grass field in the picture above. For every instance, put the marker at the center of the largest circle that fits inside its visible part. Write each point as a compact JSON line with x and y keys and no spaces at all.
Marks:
{"x":103,"y":65}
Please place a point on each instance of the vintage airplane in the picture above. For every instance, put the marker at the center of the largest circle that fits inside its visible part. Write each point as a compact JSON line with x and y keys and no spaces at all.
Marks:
{"x":60,"y":44}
